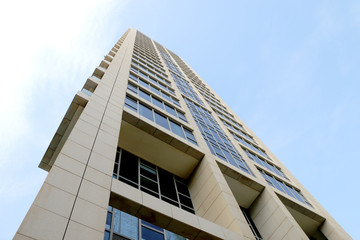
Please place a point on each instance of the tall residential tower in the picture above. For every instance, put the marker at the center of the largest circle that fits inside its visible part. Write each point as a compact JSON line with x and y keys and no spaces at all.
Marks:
{"x":147,"y":150}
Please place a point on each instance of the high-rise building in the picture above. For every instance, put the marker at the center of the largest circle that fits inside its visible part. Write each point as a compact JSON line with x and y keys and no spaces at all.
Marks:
{"x":147,"y":150}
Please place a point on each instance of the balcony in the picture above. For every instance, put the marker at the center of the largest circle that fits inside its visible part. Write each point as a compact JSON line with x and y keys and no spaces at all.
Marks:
{"x":150,"y":141}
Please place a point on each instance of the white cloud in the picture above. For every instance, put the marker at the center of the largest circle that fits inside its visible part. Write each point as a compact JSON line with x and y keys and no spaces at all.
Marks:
{"x":47,"y":50}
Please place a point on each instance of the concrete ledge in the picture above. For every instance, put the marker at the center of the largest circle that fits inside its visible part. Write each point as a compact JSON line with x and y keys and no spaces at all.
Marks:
{"x":165,"y":215}
{"x":71,"y":116}
{"x":301,"y":208}
{"x":164,"y":135}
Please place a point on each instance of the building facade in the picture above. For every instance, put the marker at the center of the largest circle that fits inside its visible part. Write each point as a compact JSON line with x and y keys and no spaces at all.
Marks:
{"x":147,"y":150}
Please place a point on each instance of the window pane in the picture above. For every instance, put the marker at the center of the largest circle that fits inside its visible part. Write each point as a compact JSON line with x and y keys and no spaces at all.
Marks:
{"x":218,"y":151}
{"x":144,"y":84}
{"x":173,"y":236}
{"x":276,"y":184}
{"x":131,"y":103}
{"x":144,"y":95}
{"x":155,"y":90}
{"x":143,"y":75}
{"x":167,"y":184}
{"x":129,"y":226}
{"x":161,"y":120}
{"x":182,"y":188}
{"x":185,"y":201}
{"x":146,"y":112}
{"x":163,"y":86}
{"x":181,"y":116}
{"x":149,"y":184}
{"x":153,"y":80}
{"x":133,"y":77}
{"x":117,"y":221}
{"x":189,"y":135}
{"x":132,"y":87}
{"x":171,"y":91}
{"x":176,"y":128}
{"x":148,"y":234}
{"x":229,"y":158}
{"x":170,"y":110}
{"x":107,"y":235}
{"x":167,"y":97}
{"x":148,"y":171}
{"x":134,"y":69}
{"x":108,"y":220}
{"x":129,"y":166}
{"x":151,"y":225}
{"x":176,"y":101}
{"x":157,"y":102}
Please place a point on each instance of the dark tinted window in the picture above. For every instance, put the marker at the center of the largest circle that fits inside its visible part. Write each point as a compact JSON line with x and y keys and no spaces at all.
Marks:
{"x":129,"y":167}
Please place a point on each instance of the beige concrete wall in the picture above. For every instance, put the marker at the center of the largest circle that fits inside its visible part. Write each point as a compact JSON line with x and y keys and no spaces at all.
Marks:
{"x":213,"y":200}
{"x":73,"y":201}
{"x":273,"y":220}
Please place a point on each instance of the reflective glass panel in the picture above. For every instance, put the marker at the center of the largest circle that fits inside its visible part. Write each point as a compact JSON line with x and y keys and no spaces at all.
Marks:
{"x":146,"y":112}
{"x":176,"y":128}
{"x":148,"y":234}
{"x":129,"y":226}
{"x":161,"y":120}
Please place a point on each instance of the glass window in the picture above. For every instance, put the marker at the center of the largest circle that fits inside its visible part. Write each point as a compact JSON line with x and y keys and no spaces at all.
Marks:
{"x":167,"y":97}
{"x":144,"y":84}
{"x":129,"y":168}
{"x":229,"y":158}
{"x":275,"y":183}
{"x":129,"y":226}
{"x":117,"y":220}
{"x":185,"y":201}
{"x":148,"y":234}
{"x":153,"y":80}
{"x":189,"y":135}
{"x":144,"y":95}
{"x":161,"y":120}
{"x":267,"y":178}
{"x":181,"y":116}
{"x":153,"y":180}
{"x":175,"y":101}
{"x":134,"y":69}
{"x":167,"y":185}
{"x":131,"y":103}
{"x":163,"y":86}
{"x":146,"y":112}
{"x":149,"y":186}
{"x":108,"y":220}
{"x":218,"y":151}
{"x":132,"y":88}
{"x":171,"y":91}
{"x":182,"y":188}
{"x":155,"y":90}
{"x":148,"y":170}
{"x":170,"y":110}
{"x":157,"y":102}
{"x":176,"y":128}
{"x":151,"y":225}
{"x":173,"y":236}
{"x":107,"y":235}
{"x":143,"y":75}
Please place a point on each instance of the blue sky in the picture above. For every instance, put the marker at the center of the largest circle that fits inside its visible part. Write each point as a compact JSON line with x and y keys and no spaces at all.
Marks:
{"x":289,"y":69}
